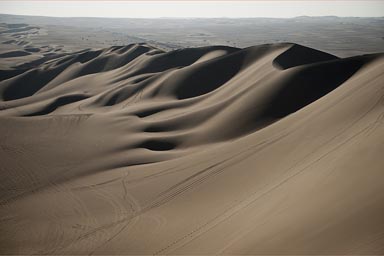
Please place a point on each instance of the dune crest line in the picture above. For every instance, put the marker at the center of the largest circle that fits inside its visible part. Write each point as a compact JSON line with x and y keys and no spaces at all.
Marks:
{"x":270,"y":149}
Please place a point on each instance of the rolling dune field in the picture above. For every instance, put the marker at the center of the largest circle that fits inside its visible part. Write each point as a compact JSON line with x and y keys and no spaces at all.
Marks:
{"x":270,"y":149}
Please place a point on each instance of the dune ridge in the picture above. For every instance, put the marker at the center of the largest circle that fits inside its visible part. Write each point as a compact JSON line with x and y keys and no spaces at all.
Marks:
{"x":270,"y":149}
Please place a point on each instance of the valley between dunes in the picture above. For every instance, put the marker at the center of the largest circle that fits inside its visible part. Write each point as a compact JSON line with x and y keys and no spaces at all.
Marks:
{"x":271,"y":149}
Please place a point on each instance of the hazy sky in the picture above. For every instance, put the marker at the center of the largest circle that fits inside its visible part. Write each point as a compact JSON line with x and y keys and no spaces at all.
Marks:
{"x":154,"y":9}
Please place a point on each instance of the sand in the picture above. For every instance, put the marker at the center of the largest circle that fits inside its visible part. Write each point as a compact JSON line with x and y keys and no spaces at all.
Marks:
{"x":341,"y":36}
{"x":270,"y":149}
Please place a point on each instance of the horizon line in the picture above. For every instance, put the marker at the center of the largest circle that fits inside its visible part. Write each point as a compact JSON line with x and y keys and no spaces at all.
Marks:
{"x":193,"y":17}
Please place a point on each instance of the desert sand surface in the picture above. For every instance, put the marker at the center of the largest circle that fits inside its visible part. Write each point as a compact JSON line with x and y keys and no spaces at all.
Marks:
{"x":270,"y":149}
{"x":341,"y":36}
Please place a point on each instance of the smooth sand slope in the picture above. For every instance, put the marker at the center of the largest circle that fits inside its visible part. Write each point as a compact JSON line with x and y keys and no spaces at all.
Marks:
{"x":271,"y":149}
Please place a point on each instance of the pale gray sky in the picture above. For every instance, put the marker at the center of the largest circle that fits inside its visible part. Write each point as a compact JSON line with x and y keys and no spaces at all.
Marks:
{"x":155,"y":9}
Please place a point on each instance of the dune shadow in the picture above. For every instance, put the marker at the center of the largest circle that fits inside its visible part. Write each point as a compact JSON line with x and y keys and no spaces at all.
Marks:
{"x":300,"y":55}
{"x":205,"y":77}
{"x":58,"y":103}
{"x":310,"y":83}
{"x":28,"y":83}
{"x":14,"y":54}
{"x":157,"y":145}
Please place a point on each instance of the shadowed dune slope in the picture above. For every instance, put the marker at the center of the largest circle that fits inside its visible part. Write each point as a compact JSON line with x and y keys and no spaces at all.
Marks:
{"x":271,"y":149}
{"x":13,"y":54}
{"x":300,"y":55}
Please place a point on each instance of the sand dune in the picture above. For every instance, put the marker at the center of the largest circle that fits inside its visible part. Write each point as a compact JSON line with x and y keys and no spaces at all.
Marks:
{"x":271,"y":149}
{"x":14,"y":54}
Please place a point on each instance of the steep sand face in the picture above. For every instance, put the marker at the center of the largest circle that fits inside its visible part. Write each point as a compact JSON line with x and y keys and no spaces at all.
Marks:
{"x":272,"y":149}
